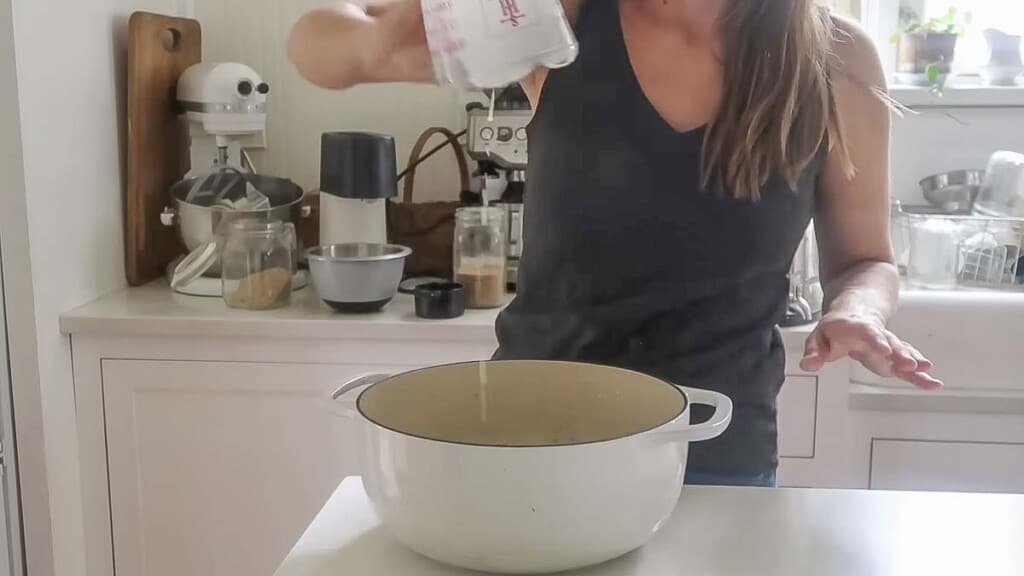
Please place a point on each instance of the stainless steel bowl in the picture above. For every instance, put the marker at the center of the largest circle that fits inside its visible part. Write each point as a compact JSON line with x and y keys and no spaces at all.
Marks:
{"x":357,"y":278}
{"x":1002,"y":194}
{"x":953,"y":192}
{"x":197,"y":224}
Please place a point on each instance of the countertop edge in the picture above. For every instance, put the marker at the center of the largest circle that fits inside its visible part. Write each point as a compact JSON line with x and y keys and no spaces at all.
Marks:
{"x":276,"y":328}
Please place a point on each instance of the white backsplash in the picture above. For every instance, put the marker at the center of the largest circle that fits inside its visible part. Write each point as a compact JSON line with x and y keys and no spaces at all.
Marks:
{"x":255,"y":32}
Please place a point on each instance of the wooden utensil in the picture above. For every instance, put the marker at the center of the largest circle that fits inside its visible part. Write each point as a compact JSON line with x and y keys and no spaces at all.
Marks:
{"x":160,"y":48}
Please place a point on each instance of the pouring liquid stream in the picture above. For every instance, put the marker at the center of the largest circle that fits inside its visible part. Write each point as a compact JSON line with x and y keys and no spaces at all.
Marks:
{"x":483,"y":392}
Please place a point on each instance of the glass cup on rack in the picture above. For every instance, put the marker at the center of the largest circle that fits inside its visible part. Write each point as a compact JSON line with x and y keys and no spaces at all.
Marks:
{"x":480,"y":255}
{"x":934,"y":259}
{"x":258,"y":263}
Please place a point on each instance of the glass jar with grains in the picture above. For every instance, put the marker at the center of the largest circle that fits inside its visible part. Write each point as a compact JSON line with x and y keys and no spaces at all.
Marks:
{"x":257,"y":264}
{"x":480,"y":252}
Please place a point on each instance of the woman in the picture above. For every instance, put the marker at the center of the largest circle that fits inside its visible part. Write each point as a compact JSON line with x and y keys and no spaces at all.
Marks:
{"x":673,"y":170}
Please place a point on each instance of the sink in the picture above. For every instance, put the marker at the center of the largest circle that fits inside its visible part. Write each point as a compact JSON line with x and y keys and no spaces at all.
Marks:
{"x":975,"y":338}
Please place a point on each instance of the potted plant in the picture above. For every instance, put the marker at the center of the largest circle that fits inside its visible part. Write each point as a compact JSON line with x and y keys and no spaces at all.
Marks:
{"x":926,"y":48}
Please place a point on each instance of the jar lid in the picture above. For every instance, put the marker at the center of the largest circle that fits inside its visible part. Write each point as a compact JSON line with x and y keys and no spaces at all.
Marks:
{"x":194,"y":265}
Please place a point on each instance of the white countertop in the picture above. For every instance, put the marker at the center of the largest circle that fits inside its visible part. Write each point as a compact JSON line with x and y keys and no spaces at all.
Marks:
{"x":733,"y":531}
{"x":155,"y":310}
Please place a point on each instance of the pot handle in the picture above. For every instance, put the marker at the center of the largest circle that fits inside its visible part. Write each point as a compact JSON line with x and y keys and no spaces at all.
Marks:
{"x":680,"y":431}
{"x":343,"y":399}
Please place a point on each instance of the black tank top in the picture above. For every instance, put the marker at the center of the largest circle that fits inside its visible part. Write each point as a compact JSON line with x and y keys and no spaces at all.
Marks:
{"x":629,"y":262}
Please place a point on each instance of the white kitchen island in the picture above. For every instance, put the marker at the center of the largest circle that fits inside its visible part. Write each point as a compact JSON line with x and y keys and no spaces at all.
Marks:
{"x":733,"y":531}
{"x":205,"y":446}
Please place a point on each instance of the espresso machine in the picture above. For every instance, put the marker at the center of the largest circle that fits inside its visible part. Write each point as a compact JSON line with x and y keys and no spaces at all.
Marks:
{"x":496,"y":140}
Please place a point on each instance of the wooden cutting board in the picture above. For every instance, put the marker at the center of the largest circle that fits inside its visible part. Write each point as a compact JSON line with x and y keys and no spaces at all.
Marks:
{"x":160,"y":48}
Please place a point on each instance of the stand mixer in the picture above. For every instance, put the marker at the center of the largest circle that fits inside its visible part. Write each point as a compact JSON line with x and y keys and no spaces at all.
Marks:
{"x":225,"y":107}
{"x":497,"y":141}
{"x":224,"y":104}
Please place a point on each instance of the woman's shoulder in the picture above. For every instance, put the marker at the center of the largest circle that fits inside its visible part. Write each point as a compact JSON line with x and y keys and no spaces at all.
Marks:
{"x":856,"y":55}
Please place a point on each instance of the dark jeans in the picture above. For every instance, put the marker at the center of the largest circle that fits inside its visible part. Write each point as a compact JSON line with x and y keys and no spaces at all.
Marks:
{"x":698,"y":478}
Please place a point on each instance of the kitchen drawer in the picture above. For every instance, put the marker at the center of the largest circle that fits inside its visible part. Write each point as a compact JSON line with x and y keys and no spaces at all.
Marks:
{"x":947,"y":466}
{"x":798,"y":415}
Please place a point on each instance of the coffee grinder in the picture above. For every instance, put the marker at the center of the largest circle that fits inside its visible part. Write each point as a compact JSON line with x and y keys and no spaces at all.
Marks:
{"x":357,"y":177}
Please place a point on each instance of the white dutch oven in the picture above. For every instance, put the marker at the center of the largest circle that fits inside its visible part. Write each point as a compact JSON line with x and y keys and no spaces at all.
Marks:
{"x":523,"y":466}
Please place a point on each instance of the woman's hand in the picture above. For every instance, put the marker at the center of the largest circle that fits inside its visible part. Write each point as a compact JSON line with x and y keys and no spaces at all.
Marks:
{"x":866,"y":340}
{"x":345,"y":44}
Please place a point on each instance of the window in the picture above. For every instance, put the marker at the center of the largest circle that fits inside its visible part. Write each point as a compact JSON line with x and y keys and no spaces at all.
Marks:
{"x":882,"y":18}
{"x":972,"y":50}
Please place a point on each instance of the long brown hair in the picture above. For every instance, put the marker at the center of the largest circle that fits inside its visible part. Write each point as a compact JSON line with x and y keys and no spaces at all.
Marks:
{"x":777,"y":109}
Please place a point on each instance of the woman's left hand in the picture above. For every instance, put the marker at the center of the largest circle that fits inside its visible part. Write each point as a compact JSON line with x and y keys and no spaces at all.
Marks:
{"x":867,"y":340}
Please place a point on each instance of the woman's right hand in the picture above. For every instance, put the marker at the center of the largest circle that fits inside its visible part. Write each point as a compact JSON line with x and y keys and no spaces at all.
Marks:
{"x":344,"y":45}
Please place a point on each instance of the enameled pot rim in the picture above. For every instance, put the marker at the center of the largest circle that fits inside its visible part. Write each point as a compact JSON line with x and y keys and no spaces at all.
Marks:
{"x":624,"y":371}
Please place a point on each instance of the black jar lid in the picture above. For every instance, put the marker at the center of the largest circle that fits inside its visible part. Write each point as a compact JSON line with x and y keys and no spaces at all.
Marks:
{"x":440,"y":301}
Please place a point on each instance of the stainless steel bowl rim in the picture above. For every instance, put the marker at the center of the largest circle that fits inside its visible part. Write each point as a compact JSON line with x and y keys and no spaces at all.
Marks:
{"x":280,"y":187}
{"x":393,"y":252}
{"x":226,"y":210}
{"x":954,"y":178}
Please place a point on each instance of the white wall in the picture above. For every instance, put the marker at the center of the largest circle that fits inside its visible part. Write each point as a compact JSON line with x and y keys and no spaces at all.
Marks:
{"x":939,"y":140}
{"x":70,"y":57}
{"x":255,"y":32}
{"x":24,"y":362}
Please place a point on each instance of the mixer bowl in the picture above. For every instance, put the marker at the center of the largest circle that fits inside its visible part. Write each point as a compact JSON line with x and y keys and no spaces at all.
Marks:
{"x":197,"y":224}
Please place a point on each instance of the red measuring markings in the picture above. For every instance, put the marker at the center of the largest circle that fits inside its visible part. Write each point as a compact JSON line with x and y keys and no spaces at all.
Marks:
{"x":510,"y":12}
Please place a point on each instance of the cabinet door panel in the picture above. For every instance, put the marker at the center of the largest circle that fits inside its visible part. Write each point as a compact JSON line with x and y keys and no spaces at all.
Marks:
{"x":798,"y":411}
{"x":216,"y":468}
{"x":947,"y":466}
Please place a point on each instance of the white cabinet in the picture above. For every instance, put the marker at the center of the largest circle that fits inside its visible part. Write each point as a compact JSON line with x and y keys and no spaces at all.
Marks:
{"x":205,"y":447}
{"x":798,"y":413}
{"x":947,"y":466}
{"x":216,"y":468}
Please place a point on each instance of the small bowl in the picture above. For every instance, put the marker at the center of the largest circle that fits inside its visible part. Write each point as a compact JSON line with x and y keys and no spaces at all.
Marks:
{"x":953,"y":192}
{"x":440,"y":300}
{"x":357,"y":278}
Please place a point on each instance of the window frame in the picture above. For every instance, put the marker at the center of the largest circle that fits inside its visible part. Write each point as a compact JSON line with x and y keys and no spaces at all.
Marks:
{"x":879,"y":20}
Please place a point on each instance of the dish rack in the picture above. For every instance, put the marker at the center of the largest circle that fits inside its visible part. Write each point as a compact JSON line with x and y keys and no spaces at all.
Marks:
{"x":978,"y":251}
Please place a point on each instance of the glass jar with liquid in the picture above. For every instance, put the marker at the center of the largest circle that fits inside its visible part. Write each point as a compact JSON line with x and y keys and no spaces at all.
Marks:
{"x":481,"y":237}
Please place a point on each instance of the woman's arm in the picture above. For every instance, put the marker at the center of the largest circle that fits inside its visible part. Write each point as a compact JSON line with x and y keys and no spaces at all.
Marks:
{"x":343,"y":45}
{"x":852,"y":219}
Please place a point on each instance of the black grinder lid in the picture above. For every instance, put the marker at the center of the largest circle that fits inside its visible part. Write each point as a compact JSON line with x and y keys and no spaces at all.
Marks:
{"x":358,"y":165}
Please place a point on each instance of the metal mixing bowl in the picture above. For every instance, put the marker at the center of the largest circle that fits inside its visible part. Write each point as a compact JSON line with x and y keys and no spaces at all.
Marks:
{"x":357,"y":278}
{"x":954,"y":192}
{"x":198,"y":224}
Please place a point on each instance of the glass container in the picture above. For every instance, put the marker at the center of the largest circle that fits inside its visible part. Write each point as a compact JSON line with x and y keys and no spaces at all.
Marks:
{"x":481,"y":236}
{"x":258,"y":263}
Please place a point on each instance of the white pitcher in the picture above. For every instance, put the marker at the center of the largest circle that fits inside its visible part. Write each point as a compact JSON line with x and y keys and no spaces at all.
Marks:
{"x":1005,"y":65}
{"x":494,"y":43}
